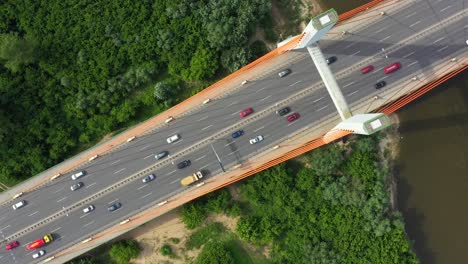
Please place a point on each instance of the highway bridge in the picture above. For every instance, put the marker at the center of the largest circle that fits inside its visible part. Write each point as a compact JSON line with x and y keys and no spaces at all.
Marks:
{"x":426,"y":36}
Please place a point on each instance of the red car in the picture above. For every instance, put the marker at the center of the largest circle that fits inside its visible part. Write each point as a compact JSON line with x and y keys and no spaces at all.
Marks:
{"x":389,"y":69}
{"x":12,"y":245}
{"x":293,"y":117}
{"x":246,"y":112}
{"x":367,"y":69}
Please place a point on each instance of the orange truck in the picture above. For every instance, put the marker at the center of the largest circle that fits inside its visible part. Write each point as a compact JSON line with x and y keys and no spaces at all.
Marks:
{"x":40,"y":242}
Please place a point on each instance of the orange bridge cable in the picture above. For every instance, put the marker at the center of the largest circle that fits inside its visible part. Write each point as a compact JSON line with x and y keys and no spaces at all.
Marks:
{"x":416,"y":93}
{"x":404,"y":101}
{"x":414,"y":84}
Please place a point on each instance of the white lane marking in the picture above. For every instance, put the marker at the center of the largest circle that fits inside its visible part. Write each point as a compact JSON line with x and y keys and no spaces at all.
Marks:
{"x":317,"y":100}
{"x":200,"y":158}
{"x":171,"y":172}
{"x":379,"y":69}
{"x":89,"y":223}
{"x":412,"y":14}
{"x":33,"y":213}
{"x":351,"y":83}
{"x":148,"y":156}
{"x":206,"y":127}
{"x":5,"y":227}
{"x":203,"y":118}
{"x":230,"y":143}
{"x":291,"y":123}
{"x":174,"y":181}
{"x":235,"y":113}
{"x":387,"y":37}
{"x":295,"y":83}
{"x":117,"y":161}
{"x":382,"y":29}
{"x":415,"y":23}
{"x":141,"y":187}
{"x":146,"y":195}
{"x":441,"y":49}
{"x":465,"y":27}
{"x":322,"y":108}
{"x":57,"y":190}
{"x":145,"y":147}
{"x":177,"y":142}
{"x":258,"y":129}
{"x":265,"y":98}
{"x":350,"y":45}
{"x":114,"y":201}
{"x":261,"y":89}
{"x":120,"y":170}
{"x":84,"y":215}
{"x":62,"y":199}
{"x":409,"y":54}
{"x":233,"y":103}
{"x":55,"y":230}
{"x":443,"y":9}
{"x":352,"y":93}
{"x":386,"y":76}
{"x":89,"y":185}
{"x":355,"y":53}
{"x":439,"y":39}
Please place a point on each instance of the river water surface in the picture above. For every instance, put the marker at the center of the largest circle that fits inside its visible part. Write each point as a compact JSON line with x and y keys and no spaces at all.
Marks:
{"x":432,"y":171}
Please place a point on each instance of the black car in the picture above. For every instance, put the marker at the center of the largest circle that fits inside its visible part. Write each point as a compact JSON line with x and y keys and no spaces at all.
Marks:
{"x":114,"y":206}
{"x":380,"y":84}
{"x":331,"y":60}
{"x":183,"y":164}
{"x":283,"y":111}
{"x":161,"y":155}
{"x":238,"y":133}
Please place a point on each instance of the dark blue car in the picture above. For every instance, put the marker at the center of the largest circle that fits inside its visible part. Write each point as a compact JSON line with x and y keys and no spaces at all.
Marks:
{"x":238,"y":133}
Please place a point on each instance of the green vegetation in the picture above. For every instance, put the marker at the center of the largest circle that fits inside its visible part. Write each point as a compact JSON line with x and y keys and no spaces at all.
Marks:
{"x":120,"y":252}
{"x":193,"y":214}
{"x":336,"y":210}
{"x":72,"y":71}
{"x":166,"y":250}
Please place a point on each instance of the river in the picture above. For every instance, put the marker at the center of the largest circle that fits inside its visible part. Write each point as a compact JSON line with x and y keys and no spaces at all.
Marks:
{"x":432,"y":170}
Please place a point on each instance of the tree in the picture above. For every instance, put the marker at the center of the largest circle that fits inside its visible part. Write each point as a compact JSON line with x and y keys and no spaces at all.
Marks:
{"x":214,"y":253}
{"x":16,"y":52}
{"x":166,"y":250}
{"x":193,"y":214}
{"x":122,"y":251}
{"x":234,"y":58}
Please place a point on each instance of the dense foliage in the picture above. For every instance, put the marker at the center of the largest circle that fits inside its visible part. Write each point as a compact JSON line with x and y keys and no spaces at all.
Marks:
{"x":215,"y":253}
{"x":123,"y":251}
{"x":335,"y":212}
{"x":74,"y":70}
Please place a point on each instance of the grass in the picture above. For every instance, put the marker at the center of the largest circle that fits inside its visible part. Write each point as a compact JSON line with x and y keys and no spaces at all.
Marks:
{"x":198,"y":238}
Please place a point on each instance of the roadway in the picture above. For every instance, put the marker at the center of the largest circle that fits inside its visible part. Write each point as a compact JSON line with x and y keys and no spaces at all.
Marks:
{"x":262,"y":94}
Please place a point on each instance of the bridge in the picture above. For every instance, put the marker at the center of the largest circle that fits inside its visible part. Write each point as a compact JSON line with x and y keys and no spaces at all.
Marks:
{"x":427,"y":37}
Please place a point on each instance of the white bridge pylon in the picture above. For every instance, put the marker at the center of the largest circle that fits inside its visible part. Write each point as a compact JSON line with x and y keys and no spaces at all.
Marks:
{"x":364,"y":124}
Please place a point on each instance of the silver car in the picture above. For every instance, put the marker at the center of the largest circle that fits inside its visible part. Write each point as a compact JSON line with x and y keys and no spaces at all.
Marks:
{"x":148,"y":178}
{"x":89,"y":208}
{"x":283,"y":73}
{"x":39,"y":254}
{"x":256,"y":139}
{"x":76,"y":186}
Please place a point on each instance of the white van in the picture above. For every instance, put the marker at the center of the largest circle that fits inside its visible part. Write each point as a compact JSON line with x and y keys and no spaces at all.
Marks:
{"x":19,"y":204}
{"x":78,"y":175}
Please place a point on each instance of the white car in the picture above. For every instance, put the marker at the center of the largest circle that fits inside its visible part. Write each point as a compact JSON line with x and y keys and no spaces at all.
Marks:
{"x":173,"y":138}
{"x":39,"y":254}
{"x":19,"y":204}
{"x":89,"y":208}
{"x":256,"y":139}
{"x":78,"y":175}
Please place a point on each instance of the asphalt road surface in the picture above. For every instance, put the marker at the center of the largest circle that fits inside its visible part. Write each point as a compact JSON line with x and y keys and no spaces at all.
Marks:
{"x":268,"y":93}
